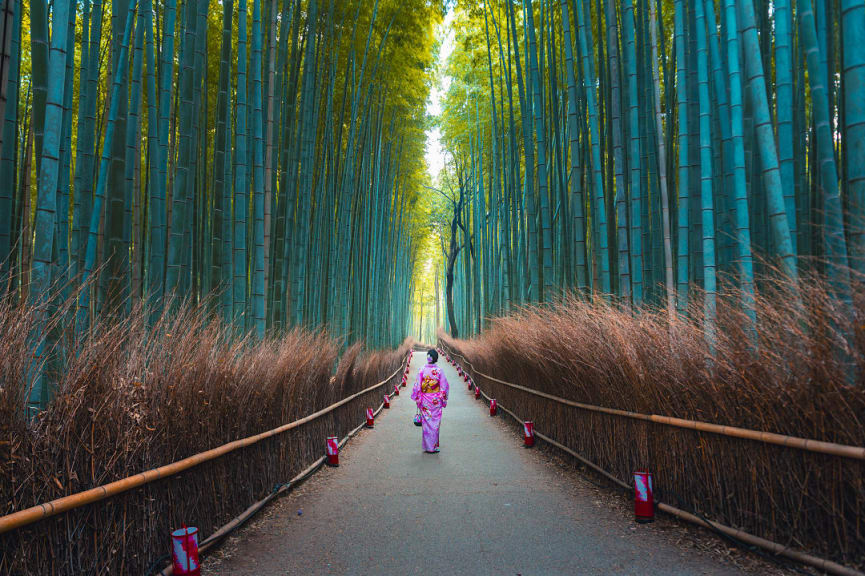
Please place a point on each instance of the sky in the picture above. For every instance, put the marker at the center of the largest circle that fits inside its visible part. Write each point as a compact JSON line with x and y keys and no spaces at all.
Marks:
{"x":435,"y":154}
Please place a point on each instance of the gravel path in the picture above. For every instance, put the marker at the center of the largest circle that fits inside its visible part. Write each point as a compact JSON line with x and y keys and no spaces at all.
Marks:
{"x":484,"y":505}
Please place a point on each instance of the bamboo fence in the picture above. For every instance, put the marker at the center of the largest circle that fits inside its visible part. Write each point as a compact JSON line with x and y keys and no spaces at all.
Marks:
{"x":720,"y":477}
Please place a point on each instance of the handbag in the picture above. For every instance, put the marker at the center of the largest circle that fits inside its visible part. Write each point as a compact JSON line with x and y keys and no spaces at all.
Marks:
{"x":417,"y":418}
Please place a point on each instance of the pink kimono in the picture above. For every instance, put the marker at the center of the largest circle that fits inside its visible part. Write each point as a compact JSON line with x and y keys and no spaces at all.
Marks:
{"x":430,"y":392}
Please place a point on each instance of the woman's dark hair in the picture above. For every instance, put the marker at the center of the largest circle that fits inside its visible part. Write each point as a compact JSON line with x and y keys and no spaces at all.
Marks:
{"x":432,"y":353}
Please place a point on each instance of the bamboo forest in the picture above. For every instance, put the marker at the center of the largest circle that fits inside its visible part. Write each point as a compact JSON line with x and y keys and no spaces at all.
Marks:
{"x":223,"y":219}
{"x":242,"y":154}
{"x":650,"y":150}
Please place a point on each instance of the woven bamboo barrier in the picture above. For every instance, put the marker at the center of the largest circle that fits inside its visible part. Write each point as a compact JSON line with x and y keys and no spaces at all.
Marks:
{"x":181,"y":424}
{"x":79,"y":499}
{"x":209,"y":543}
{"x":825,"y":565}
{"x":718,"y":476}
{"x":816,"y":446}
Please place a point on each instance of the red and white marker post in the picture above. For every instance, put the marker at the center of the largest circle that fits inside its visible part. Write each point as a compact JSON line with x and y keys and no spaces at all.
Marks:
{"x":370,"y":418}
{"x":332,"y":451}
{"x":184,"y":551}
{"x":386,"y":401}
{"x":396,"y":390}
{"x":528,"y":434}
{"x":477,"y":393}
{"x":494,"y":407}
{"x":644,"y":497}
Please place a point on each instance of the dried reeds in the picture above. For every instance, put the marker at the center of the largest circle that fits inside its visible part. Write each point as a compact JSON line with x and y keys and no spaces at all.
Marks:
{"x":131,"y":397}
{"x":801,"y":376}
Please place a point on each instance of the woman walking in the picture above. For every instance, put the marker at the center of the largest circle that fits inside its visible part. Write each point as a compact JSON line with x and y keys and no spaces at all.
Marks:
{"x":430,"y":392}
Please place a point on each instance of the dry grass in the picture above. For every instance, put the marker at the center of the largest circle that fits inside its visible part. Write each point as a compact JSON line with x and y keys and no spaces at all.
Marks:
{"x":131,"y":397}
{"x":796,"y":381}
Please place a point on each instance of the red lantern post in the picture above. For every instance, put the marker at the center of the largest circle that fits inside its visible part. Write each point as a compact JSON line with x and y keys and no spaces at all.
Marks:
{"x":184,"y":551}
{"x":332,"y":451}
{"x":644,"y":498}
{"x":528,"y":434}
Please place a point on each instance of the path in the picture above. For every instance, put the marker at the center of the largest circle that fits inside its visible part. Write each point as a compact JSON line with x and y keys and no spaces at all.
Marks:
{"x":484,"y":505}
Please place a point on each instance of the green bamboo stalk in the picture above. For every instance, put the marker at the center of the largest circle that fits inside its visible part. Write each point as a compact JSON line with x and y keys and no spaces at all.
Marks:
{"x":158,"y":207}
{"x":784,"y":109}
{"x":723,"y":153}
{"x":307,"y":152}
{"x":740,"y":191}
{"x":87,"y":141}
{"x":220,"y":187}
{"x":599,"y":207}
{"x":133,"y":139}
{"x":543,"y":191}
{"x":576,"y":200}
{"x":290,"y":193}
{"x":227,"y":269}
{"x":178,"y":270}
{"x":8,"y":156}
{"x":853,"y":78}
{"x":706,"y":199}
{"x":195,"y":249}
{"x":153,"y":150}
{"x":534,"y":276}
{"x":84,"y":96}
{"x":669,"y":281}
{"x":684,"y":160}
{"x":634,"y":160}
{"x":766,"y":142}
{"x":46,"y":201}
{"x":84,"y":302}
{"x":833,"y":225}
{"x":63,"y":184}
{"x":616,"y":137}
{"x":10,"y":39}
{"x":258,"y":278}
{"x":269,"y":182}
{"x":113,"y":284}
{"x":241,"y":182}
{"x":39,"y":65}
{"x":496,"y":153}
